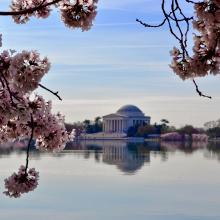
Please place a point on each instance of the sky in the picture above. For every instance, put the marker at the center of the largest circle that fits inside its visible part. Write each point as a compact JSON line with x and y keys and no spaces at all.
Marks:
{"x":117,"y":62}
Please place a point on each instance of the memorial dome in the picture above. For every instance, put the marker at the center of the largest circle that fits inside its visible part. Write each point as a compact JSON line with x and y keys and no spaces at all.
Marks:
{"x":130,"y":110}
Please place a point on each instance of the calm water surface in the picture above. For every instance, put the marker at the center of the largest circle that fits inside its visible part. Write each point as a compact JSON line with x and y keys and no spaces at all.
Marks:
{"x":117,"y":181}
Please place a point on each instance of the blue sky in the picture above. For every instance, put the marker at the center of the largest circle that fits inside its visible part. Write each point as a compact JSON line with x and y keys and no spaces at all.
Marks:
{"x":117,"y":62}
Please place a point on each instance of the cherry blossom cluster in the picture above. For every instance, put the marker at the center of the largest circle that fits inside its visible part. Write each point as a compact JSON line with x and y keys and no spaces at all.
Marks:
{"x":21,"y":115}
{"x":79,"y":14}
{"x":206,"y":50}
{"x":49,"y":129}
{"x":74,"y":13}
{"x":20,"y":5}
{"x":22,"y":182}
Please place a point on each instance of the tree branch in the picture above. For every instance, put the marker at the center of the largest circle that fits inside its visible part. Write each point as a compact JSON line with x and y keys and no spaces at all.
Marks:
{"x":179,"y":26}
{"x":29,"y":10}
{"x":29,"y":142}
{"x":148,"y":25}
{"x":189,"y":1}
{"x":54,"y":93}
{"x":199,"y":92}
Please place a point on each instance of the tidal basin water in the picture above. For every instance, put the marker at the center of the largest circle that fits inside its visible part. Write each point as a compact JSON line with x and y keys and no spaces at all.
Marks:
{"x":117,"y":181}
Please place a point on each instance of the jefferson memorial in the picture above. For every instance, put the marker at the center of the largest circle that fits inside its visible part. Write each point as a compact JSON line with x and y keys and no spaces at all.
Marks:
{"x":125,"y":117}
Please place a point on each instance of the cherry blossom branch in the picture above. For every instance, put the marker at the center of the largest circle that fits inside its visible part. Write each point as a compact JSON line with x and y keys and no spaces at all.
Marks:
{"x":5,"y":82}
{"x":29,"y":10}
{"x":170,"y":17}
{"x":148,"y":25}
{"x":54,"y":93}
{"x":179,"y":26}
{"x":31,"y":124}
{"x":199,"y":92}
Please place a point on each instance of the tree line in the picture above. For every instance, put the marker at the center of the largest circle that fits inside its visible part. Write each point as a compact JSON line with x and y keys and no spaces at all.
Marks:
{"x":212,"y":128}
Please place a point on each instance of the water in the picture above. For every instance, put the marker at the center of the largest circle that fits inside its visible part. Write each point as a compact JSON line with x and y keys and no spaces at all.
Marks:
{"x":115,"y":180}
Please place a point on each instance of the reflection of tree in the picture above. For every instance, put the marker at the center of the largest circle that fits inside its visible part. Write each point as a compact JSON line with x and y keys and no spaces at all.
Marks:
{"x":213,"y":150}
{"x":130,"y":157}
{"x":186,"y":147}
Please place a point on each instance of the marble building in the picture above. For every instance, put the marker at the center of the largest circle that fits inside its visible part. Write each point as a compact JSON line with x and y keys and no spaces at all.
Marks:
{"x":125,"y":117}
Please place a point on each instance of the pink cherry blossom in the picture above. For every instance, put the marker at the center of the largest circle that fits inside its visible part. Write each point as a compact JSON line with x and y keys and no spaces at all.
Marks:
{"x":78,"y":14}
{"x":74,"y":13}
{"x":206,"y":50}
{"x":21,"y":182}
{"x":21,"y":75}
{"x":18,"y":5}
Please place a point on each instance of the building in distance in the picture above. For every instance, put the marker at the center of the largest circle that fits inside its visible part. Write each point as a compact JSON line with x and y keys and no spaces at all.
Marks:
{"x":126,"y":117}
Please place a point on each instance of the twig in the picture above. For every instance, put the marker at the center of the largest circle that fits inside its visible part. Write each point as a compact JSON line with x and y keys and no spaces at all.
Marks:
{"x":199,"y":92}
{"x":54,"y":93}
{"x":148,"y":25}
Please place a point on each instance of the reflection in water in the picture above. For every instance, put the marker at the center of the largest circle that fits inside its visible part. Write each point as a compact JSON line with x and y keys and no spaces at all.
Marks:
{"x":130,"y":157}
{"x":171,"y":181}
{"x":212,"y":150}
{"x":127,"y":157}
{"x":186,"y":147}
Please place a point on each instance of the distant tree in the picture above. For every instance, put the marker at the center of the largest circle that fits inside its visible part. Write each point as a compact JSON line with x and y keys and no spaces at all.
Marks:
{"x":69,"y":126}
{"x":212,"y":124}
{"x":172,"y":129}
{"x":77,"y":127}
{"x":86,"y":122}
{"x":188,"y":129}
{"x":93,"y":126}
{"x":144,"y":131}
{"x":132,"y":131}
{"x":164,"y":121}
{"x":98,"y":125}
{"x":97,"y":120}
{"x":214,"y":132}
{"x":164,"y":125}
{"x":88,"y":126}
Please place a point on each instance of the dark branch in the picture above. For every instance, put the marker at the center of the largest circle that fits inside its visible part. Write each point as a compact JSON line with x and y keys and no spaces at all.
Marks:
{"x":199,"y":92}
{"x":8,"y":88}
{"x":189,"y":1}
{"x":29,"y":142}
{"x":148,"y":25}
{"x":54,"y":93}
{"x":29,"y":10}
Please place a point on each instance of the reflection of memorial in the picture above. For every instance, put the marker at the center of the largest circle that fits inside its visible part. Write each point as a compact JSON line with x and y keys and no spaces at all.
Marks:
{"x":127,"y":157}
{"x":126,"y":161}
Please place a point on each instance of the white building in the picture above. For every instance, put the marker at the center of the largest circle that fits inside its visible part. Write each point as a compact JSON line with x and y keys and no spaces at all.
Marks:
{"x":125,"y":117}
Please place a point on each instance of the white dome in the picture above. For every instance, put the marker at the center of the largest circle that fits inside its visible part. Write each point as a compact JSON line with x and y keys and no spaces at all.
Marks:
{"x":130,"y":110}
